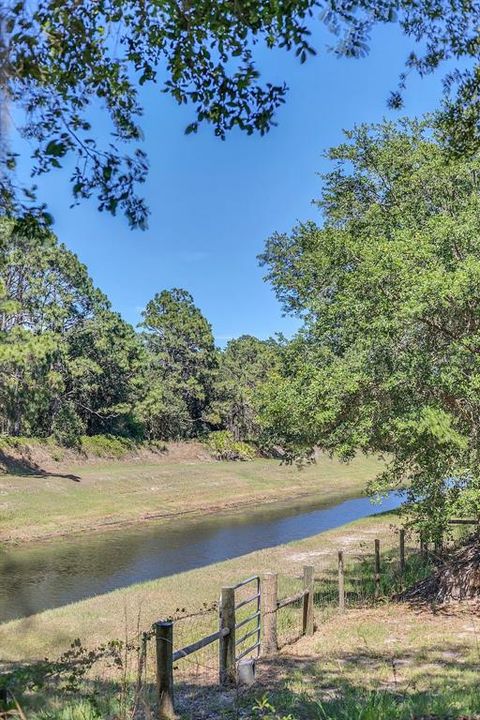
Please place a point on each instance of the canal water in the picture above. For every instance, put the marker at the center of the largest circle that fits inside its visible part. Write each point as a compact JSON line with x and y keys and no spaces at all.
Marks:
{"x":48,"y":575}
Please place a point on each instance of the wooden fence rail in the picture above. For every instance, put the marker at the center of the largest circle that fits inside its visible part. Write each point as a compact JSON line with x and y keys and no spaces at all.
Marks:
{"x":341,"y":582}
{"x":308,"y":597}
{"x":226,"y":650}
{"x":291,"y":600}
{"x":269,"y":599}
{"x":402,"y":551}
{"x":271,"y":606}
{"x":164,"y":648}
{"x":193,"y":647}
{"x":377,"y":568}
{"x":267,"y":607}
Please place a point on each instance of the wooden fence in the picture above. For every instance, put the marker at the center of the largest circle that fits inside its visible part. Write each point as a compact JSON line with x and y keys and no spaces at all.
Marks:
{"x":266,"y":608}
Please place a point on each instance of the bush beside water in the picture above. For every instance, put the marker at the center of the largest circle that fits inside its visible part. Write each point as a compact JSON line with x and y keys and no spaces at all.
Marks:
{"x":223,"y":446}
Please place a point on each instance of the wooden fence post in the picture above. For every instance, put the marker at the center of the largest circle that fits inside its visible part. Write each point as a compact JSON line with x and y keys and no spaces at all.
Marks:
{"x":309,"y":586}
{"x":377,"y":567}
{"x":402,"y":552}
{"x":164,"y":648}
{"x":341,"y":582}
{"x":269,"y":593}
{"x":227,"y":669}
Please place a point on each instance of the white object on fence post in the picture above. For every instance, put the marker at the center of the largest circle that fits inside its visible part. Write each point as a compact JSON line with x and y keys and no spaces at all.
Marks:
{"x":246,"y":672}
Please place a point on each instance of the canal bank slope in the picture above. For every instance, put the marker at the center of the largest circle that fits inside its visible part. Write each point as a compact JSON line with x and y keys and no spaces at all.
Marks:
{"x":44,"y":503}
{"x":119,"y":614}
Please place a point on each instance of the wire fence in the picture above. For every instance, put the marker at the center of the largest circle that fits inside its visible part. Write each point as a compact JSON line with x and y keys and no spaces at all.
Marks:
{"x":258,"y":616}
{"x":201,"y":667}
{"x":289,"y":618}
{"x":370,"y":574}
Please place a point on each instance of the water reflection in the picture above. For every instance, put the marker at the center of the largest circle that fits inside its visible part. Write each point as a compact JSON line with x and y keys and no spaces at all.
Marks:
{"x":54,"y":574}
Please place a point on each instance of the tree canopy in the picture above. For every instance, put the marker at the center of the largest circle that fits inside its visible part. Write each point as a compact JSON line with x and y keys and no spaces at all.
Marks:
{"x":388,"y":360}
{"x":58,"y":59}
{"x":71,"y":366}
{"x":182,"y":365}
{"x":65,"y":358}
{"x":245,"y":365}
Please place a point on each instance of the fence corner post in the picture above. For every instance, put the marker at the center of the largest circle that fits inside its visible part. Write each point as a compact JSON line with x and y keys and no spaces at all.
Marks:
{"x":341,"y":582}
{"x":227,"y":669}
{"x":377,"y":568}
{"x":269,"y":596}
{"x":308,"y":586}
{"x":164,"y":652}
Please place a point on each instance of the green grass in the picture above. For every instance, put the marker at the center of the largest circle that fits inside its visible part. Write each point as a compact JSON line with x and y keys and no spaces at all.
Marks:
{"x":389,"y":662}
{"x":384,"y":661}
{"x":294,"y":694}
{"x":47,"y":503}
{"x":352,"y":704}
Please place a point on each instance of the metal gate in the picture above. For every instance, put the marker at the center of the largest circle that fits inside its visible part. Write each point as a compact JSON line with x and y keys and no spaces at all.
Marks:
{"x":254,"y":617}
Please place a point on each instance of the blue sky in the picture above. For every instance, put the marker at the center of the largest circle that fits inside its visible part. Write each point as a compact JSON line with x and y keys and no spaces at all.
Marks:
{"x":214,"y":203}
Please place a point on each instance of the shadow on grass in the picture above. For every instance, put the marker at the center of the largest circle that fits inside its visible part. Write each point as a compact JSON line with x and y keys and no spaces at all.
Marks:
{"x":429,"y":682}
{"x":27,"y":467}
{"x":424,"y":682}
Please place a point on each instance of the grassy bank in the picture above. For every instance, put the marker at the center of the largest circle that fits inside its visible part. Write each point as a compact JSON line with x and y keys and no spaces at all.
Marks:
{"x":390,"y":662}
{"x":44,"y":502}
{"x":383,"y":661}
{"x":119,"y":613}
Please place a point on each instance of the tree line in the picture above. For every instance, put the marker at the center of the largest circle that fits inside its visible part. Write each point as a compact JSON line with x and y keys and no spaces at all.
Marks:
{"x":70,"y":365}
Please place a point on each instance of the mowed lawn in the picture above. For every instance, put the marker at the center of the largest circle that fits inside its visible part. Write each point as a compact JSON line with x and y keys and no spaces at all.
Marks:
{"x":36,"y":506}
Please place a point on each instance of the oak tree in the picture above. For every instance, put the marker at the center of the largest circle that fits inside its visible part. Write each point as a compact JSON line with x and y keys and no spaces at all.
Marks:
{"x":388,"y":360}
{"x":62,"y":60}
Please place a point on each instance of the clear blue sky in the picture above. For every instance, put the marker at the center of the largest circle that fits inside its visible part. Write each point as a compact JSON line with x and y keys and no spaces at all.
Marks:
{"x":214,"y":203}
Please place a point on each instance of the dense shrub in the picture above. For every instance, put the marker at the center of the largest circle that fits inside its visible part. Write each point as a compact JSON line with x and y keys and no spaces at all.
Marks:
{"x":100,"y":446}
{"x":107,"y":445}
{"x":223,"y":446}
{"x":68,"y":427}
